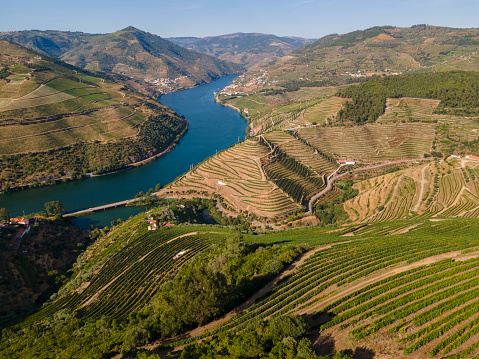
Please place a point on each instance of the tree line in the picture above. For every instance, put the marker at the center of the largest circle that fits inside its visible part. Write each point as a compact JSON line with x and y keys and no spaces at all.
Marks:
{"x":458,"y":92}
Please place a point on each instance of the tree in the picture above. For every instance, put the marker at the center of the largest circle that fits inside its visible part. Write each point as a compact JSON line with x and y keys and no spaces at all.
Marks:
{"x":54,"y":208}
{"x":234,"y":243}
{"x":4,"y":216}
{"x":158,"y":187}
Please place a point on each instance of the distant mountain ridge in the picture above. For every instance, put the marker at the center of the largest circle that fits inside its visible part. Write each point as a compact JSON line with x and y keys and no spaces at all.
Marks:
{"x":247,"y":49}
{"x":131,"y":52}
{"x":401,"y":49}
{"x":340,"y":59}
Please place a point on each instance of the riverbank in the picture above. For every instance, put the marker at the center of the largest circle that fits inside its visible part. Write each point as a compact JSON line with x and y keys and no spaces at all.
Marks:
{"x":66,"y":179}
{"x":248,"y":129}
{"x":212,"y":128}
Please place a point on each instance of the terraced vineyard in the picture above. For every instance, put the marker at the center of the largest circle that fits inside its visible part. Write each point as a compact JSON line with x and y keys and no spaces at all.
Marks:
{"x":326,"y":109}
{"x":373,"y":141}
{"x":412,"y":283}
{"x":128,"y":278}
{"x":236,"y":175}
{"x":432,"y":190}
{"x":303,"y":152}
{"x":63,"y":110}
{"x":59,"y":122}
{"x":294,"y":178}
{"x":404,"y":109}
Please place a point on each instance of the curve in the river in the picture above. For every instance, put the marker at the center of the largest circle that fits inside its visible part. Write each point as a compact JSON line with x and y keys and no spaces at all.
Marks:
{"x":213,"y":127}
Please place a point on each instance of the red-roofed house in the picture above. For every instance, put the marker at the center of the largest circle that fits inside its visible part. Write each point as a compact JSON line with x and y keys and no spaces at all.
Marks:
{"x":22,"y":231}
{"x":472,"y":157}
{"x":19,"y":221}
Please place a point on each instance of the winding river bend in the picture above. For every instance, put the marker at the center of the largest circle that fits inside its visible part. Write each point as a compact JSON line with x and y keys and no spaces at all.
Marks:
{"x":212,"y":128}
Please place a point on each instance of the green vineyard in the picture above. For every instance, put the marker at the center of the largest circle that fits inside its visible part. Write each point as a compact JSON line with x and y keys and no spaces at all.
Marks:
{"x":128,"y":279}
{"x":297,"y":180}
{"x":409,"y":282}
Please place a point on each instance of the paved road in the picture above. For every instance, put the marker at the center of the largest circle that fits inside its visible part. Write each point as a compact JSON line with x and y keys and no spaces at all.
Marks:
{"x":331,"y":179}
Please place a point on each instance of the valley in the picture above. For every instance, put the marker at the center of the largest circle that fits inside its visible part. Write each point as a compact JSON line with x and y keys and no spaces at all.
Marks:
{"x":151,"y":64}
{"x":59,"y":123}
{"x":343,"y":226}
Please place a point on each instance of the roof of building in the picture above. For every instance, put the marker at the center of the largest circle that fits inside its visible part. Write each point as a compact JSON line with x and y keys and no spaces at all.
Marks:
{"x":20,"y":233}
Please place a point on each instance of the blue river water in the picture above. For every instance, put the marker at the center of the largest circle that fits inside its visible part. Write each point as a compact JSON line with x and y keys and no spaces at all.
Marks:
{"x":212,"y":128}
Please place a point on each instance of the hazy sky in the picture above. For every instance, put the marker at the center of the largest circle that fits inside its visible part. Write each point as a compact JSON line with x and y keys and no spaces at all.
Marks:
{"x":199,"y":18}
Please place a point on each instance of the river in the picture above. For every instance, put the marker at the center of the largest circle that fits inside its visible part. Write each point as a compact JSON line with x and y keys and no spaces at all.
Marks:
{"x":212,"y":128}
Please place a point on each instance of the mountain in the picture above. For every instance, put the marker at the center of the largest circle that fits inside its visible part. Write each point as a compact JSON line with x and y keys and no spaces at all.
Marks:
{"x":158,"y":63}
{"x":60,"y":122}
{"x":338,"y":59}
{"x":382,"y":176}
{"x":246,"y":49}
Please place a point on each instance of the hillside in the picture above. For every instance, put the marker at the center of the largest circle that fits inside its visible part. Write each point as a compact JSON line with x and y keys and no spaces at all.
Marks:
{"x":157,"y":64}
{"x":389,"y":169}
{"x":246,"y":49}
{"x":353,"y":57}
{"x":394,"y":288}
{"x":35,"y":266}
{"x":60,"y":122}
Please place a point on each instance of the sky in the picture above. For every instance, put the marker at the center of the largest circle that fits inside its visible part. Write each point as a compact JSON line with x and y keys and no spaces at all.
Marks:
{"x":200,"y":18}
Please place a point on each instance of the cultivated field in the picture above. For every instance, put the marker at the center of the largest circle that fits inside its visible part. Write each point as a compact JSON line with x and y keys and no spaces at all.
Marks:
{"x":302,"y":152}
{"x":326,"y":109}
{"x":235,"y":175}
{"x":437,"y":190}
{"x":125,"y":280}
{"x":373,"y":142}
{"x":66,"y":110}
{"x":395,"y":288}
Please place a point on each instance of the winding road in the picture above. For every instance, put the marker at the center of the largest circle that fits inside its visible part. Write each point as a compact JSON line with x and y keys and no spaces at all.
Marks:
{"x":329,"y":182}
{"x":332,"y":178}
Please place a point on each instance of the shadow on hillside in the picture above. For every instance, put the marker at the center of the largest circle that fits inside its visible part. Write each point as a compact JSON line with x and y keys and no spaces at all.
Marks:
{"x":360,"y":353}
{"x":364,"y":353}
{"x":322,"y":344}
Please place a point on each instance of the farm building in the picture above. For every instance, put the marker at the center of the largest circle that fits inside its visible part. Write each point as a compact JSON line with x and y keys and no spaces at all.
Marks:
{"x":346,"y":162}
{"x":472,"y":157}
{"x":22,"y":231}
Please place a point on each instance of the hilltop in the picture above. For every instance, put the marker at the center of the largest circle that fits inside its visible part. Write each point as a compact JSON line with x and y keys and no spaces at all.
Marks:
{"x":60,"y":122}
{"x":158,"y":64}
{"x":250,"y":50}
{"x":343,"y":59}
